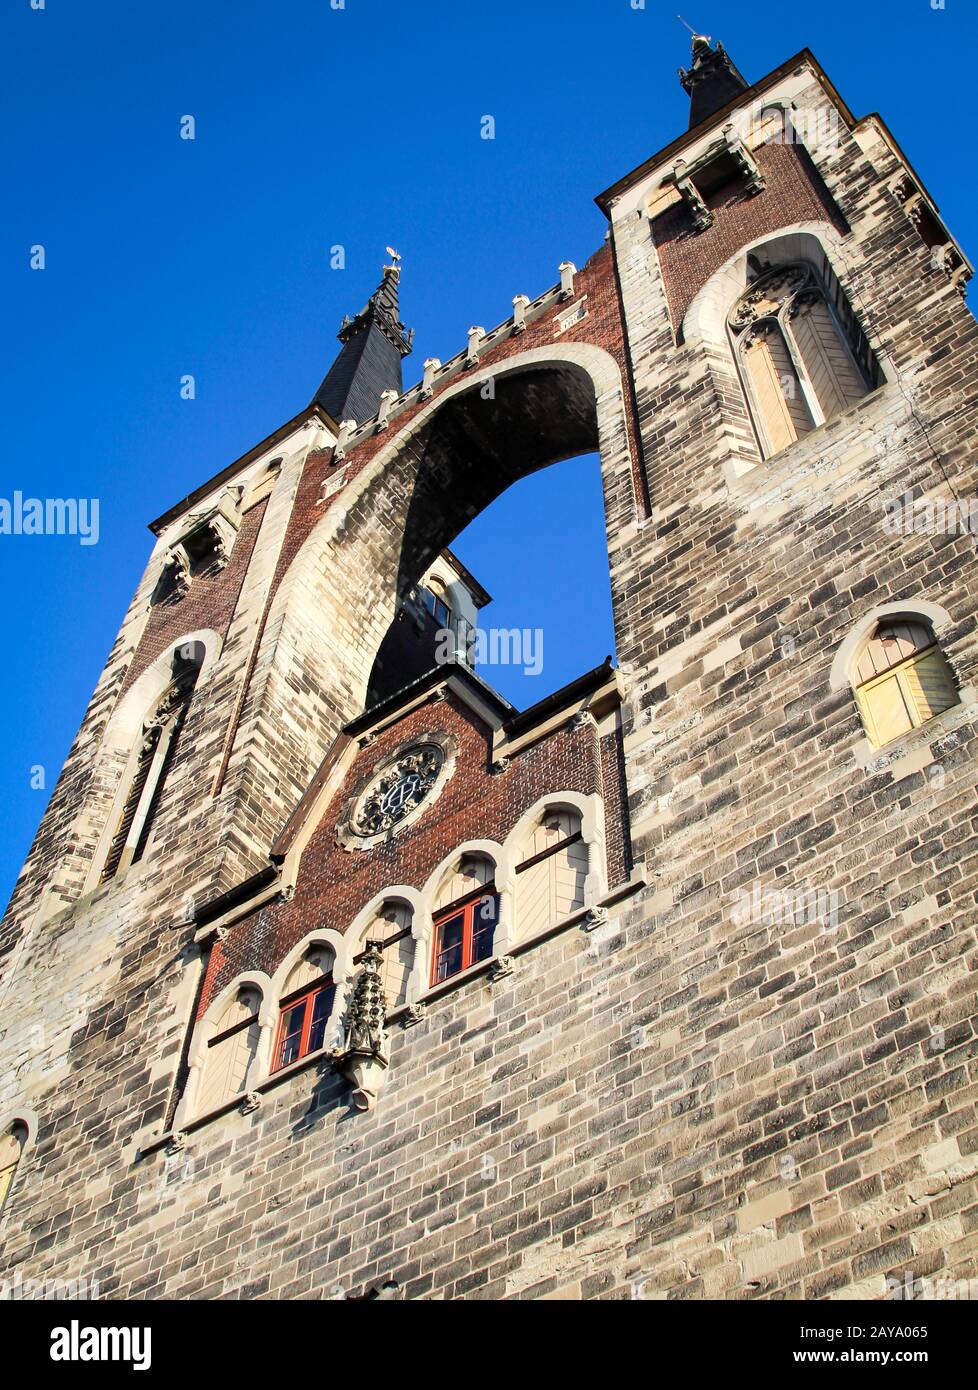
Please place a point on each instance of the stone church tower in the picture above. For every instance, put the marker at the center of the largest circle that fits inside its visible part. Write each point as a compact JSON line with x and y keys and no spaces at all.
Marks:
{"x":331,"y":974}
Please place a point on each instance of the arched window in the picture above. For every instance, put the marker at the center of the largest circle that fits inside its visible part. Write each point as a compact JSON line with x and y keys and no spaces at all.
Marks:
{"x":11,"y":1147}
{"x":802,"y":356}
{"x":434,"y":598}
{"x":552,"y":872}
{"x":157,"y":749}
{"x":305,"y":1008}
{"x":231,"y":1050}
{"x":466,"y":913}
{"x":901,"y":679}
{"x":391,"y":929}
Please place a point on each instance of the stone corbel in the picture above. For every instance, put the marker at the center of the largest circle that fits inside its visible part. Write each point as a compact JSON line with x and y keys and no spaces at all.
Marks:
{"x":520,"y":305}
{"x":177,"y":1144}
{"x":432,"y":365}
{"x":594,"y":917}
{"x":567,"y":272}
{"x":416,"y":1013}
{"x":744,"y":159}
{"x":501,"y":967}
{"x":499,"y":766}
{"x":251,"y":1102}
{"x":476,"y":335}
{"x":347,"y":429}
{"x":176,"y":570}
{"x":584,"y":719}
{"x":690,"y":194}
{"x":387,"y":399}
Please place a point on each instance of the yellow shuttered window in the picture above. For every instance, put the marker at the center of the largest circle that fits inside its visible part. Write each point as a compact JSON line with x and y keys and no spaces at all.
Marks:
{"x":783,"y":415}
{"x":907,"y":696}
{"x":833,"y":375}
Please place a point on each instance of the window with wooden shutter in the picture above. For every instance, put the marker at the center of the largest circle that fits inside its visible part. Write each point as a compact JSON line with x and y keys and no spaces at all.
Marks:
{"x":231,"y":1051}
{"x":797,"y":353}
{"x":391,"y":930}
{"x":782,"y":411}
{"x":832,"y":373}
{"x":902,"y":680}
{"x":550,"y":879}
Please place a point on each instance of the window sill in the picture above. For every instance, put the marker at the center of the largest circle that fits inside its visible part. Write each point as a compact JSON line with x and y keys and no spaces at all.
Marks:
{"x":759,"y":476}
{"x":914,"y":749}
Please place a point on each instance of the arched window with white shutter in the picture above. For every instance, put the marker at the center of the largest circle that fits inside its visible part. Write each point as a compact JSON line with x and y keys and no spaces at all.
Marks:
{"x":801,"y":354}
{"x":231,"y":1049}
{"x":551,"y":871}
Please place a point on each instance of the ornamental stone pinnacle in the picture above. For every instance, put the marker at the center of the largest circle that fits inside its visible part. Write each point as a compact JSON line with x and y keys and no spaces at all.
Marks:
{"x":366,"y":1052}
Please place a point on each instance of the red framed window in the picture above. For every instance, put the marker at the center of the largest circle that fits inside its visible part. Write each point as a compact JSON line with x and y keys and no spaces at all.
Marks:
{"x":302,"y":1022}
{"x":463,"y":935}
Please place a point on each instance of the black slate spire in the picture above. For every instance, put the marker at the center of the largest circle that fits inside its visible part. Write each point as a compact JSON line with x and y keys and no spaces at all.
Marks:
{"x":370,"y":360}
{"x":711,"y":82}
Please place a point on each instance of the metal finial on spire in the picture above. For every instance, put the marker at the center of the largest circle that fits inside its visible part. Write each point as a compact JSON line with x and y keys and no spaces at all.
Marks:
{"x":704,"y":37}
{"x":394,"y":255}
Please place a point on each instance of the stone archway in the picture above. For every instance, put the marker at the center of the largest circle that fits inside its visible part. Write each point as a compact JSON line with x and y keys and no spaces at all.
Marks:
{"x":338,"y":597}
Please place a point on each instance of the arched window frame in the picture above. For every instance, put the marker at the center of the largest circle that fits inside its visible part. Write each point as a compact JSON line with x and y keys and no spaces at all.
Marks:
{"x":122,"y":745}
{"x":533,"y":862}
{"x":304,"y":1014}
{"x":848,"y":653}
{"x":373,"y":925}
{"x":769,"y":306}
{"x":206,"y":1032}
{"x":341,"y":974}
{"x":437,"y":909}
{"x":590,"y":811}
{"x":21,"y":1124}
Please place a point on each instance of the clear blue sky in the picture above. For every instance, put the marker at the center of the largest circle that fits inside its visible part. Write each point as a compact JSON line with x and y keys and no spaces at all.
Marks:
{"x":318,"y":126}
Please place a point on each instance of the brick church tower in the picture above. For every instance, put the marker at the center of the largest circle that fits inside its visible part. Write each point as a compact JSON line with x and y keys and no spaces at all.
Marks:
{"x":370,"y":985}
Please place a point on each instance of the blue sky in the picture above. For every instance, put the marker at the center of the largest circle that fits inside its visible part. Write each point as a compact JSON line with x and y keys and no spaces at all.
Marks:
{"x":318,"y":126}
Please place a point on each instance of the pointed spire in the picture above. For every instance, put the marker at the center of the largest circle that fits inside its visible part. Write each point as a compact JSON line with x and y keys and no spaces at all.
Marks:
{"x":369,"y":363}
{"x":711,"y":82}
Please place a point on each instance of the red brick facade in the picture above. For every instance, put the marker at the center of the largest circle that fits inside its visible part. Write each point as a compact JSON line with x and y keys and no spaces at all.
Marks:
{"x":335,"y":883}
{"x":794,"y":193}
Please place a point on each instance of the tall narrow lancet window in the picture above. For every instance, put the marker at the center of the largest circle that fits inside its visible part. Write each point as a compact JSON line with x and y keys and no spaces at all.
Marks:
{"x":11,"y":1147}
{"x":153,"y":760}
{"x":802,"y":356}
{"x":901,"y":680}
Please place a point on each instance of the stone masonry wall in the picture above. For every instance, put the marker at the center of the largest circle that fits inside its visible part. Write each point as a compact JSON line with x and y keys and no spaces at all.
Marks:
{"x":693,"y":1101}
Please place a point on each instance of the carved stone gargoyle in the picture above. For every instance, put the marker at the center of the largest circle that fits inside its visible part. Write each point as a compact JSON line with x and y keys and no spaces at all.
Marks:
{"x":366,"y":1052}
